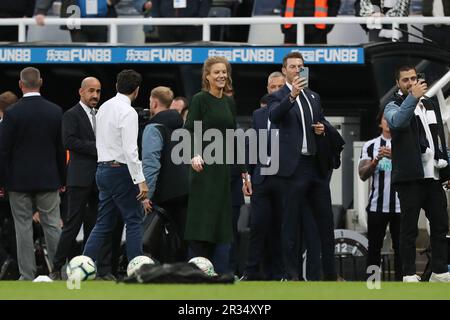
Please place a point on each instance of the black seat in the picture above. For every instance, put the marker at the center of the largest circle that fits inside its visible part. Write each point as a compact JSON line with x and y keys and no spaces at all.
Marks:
{"x":218,"y":32}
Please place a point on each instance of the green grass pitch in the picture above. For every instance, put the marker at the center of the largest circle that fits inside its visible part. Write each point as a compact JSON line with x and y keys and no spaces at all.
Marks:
{"x":238,"y":291}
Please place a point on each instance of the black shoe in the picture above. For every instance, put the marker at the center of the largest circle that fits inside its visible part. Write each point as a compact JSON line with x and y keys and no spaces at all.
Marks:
{"x":9,"y":270}
{"x":55,"y":275}
{"x":106,"y":277}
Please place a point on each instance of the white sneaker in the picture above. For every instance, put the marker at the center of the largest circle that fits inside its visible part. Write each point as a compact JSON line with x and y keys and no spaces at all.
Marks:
{"x":413,"y":278}
{"x":440,"y":277}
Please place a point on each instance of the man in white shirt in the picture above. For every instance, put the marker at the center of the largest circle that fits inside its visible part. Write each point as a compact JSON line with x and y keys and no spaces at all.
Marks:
{"x":120,"y":180}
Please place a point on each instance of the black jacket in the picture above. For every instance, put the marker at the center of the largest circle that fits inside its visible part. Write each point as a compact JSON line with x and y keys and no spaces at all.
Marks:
{"x":31,"y":152}
{"x":259,"y":122}
{"x":194,"y":8}
{"x":16,"y":8}
{"x":406,"y":147}
{"x":78,"y":137}
{"x":287,"y":117}
{"x":329,"y":148}
{"x":173,"y":180}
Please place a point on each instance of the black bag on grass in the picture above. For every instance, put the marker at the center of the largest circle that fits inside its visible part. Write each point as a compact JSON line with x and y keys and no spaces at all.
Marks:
{"x":180,"y":272}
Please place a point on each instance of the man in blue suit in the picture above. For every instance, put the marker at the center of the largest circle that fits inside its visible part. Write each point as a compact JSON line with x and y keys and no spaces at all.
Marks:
{"x":266,"y":205}
{"x":297,"y":113}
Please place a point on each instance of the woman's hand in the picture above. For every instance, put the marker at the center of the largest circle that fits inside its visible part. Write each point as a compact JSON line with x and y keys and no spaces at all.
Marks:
{"x":197,"y":163}
{"x":247,"y":185}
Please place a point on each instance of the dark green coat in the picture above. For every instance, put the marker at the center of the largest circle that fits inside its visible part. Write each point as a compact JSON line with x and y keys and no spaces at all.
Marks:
{"x":209,"y":208}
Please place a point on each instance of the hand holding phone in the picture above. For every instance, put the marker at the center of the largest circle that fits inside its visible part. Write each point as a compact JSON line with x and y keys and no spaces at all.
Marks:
{"x":304,"y":73}
{"x":421,"y":76}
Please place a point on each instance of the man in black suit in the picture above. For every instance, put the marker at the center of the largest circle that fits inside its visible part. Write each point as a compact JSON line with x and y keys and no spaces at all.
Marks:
{"x":297,"y":112}
{"x":78,"y":136}
{"x":32,"y":159}
{"x":266,"y":204}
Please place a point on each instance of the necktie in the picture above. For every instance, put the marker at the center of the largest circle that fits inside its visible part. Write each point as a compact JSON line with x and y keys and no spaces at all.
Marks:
{"x":307,"y":116}
{"x":94,"y":126}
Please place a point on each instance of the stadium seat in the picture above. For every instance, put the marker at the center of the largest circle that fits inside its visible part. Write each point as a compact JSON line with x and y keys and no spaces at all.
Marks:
{"x":218,"y":32}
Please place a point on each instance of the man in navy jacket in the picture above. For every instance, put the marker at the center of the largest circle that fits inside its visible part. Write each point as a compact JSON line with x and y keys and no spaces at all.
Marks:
{"x":32,"y":160}
{"x":297,"y":113}
{"x":266,"y":202}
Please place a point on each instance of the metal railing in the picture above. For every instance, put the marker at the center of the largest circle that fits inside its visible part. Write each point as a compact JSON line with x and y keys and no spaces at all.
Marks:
{"x":206,"y":23}
{"x":437,"y":90}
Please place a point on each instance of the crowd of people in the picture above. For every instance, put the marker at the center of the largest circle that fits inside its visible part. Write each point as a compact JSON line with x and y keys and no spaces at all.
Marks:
{"x":314,"y":34}
{"x":110,"y":177}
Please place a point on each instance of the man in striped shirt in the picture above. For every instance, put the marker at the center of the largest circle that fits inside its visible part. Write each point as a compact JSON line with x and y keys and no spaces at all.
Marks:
{"x":384,"y":206}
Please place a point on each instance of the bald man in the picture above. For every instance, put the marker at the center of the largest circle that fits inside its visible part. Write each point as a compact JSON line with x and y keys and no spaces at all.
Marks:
{"x":78,"y":136}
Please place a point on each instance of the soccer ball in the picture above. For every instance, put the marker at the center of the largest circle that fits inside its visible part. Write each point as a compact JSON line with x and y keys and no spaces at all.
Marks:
{"x":137,"y":263}
{"x":204,"y":264}
{"x":81,"y":268}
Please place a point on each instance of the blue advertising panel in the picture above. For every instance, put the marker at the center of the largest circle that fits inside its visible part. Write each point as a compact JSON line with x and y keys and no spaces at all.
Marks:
{"x":177,"y":55}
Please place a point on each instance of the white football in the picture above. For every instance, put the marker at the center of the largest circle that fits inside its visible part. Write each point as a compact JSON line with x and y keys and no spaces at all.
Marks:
{"x":138,"y":262}
{"x":81,"y":268}
{"x":204,"y":264}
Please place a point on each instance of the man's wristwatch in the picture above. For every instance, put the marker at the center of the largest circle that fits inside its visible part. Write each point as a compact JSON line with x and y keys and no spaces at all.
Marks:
{"x":291,"y":98}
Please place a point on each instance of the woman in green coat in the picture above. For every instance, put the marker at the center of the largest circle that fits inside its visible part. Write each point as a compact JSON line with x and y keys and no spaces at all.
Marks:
{"x":208,"y":225}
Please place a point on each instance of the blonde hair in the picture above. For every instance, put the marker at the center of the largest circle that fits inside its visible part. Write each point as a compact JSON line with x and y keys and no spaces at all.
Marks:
{"x":207,"y":65}
{"x":163,"y":94}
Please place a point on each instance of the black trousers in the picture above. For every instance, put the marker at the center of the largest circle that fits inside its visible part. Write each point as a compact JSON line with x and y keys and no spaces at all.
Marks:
{"x":9,"y":34}
{"x":376,"y":231}
{"x":234,"y":250}
{"x":438,"y":34}
{"x":82,"y":203}
{"x":266,"y":208}
{"x":307,"y":187}
{"x":317,"y":37}
{"x":179,"y":33}
{"x":8,"y":248}
{"x":429,"y":195}
{"x":90,"y":34}
{"x":110,"y":252}
{"x":311,"y":243}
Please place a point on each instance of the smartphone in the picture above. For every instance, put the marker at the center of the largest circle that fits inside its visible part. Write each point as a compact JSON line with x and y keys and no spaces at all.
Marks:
{"x":421,"y":76}
{"x":304,"y":73}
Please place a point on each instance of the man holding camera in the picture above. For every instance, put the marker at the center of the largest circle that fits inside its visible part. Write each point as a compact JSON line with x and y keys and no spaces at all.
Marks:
{"x":419,"y":166}
{"x":297,"y":112}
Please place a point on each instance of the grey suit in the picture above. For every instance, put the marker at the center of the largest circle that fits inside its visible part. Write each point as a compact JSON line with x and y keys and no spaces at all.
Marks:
{"x":32,"y":161}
